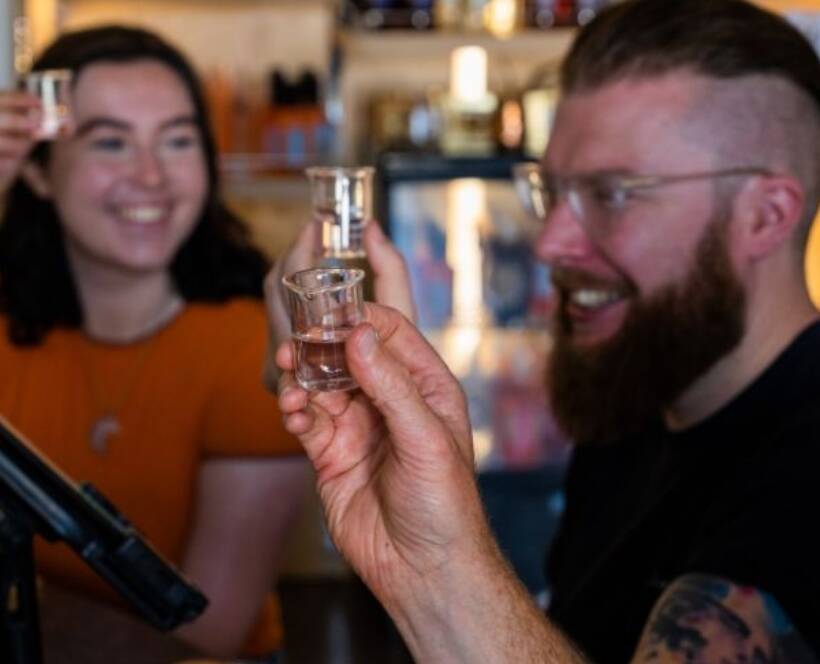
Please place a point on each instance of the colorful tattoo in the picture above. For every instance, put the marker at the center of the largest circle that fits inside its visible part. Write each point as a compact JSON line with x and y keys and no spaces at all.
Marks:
{"x":707,"y":620}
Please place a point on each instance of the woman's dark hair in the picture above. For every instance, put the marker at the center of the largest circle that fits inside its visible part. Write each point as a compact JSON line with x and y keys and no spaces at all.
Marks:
{"x":37,"y":290}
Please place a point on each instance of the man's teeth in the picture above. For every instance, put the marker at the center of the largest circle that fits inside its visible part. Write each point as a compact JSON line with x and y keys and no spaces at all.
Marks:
{"x":593,"y":298}
{"x":144,"y":214}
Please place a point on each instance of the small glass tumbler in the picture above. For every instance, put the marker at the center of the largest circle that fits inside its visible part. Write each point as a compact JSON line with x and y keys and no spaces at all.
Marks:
{"x":53,"y":88}
{"x":325,"y":305}
{"x":342,"y":203}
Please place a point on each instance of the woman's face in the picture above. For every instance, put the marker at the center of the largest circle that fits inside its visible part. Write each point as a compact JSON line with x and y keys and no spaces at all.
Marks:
{"x":131,"y":182}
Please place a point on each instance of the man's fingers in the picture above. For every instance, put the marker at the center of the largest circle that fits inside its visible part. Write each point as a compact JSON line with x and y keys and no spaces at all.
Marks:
{"x":435,"y":381}
{"x":391,"y":282}
{"x":292,"y":397}
{"x":393,"y":391}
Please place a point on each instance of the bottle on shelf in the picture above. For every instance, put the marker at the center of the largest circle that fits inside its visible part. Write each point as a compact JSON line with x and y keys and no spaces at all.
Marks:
{"x":294,"y":128}
{"x":469,"y":110}
{"x":551,"y":13}
{"x":386,"y":14}
{"x":447,"y":14}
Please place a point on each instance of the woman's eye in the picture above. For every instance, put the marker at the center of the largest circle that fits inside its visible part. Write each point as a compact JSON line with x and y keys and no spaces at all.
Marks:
{"x":182,"y":141}
{"x":108,"y":144}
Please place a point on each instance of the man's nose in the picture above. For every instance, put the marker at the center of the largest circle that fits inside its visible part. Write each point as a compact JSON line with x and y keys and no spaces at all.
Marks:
{"x":562,"y":236}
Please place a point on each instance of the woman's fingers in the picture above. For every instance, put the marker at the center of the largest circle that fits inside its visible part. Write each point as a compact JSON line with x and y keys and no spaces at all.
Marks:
{"x":299,"y":256}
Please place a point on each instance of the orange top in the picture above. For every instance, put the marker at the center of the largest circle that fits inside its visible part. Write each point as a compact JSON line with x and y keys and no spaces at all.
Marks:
{"x":190,"y":392}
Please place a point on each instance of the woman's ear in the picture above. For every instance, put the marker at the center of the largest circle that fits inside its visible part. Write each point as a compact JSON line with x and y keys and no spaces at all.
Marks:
{"x":35,"y":177}
{"x":770,"y":209}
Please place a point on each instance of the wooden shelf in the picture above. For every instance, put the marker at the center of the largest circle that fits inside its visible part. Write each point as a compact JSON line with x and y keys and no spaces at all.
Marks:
{"x":403,"y":44}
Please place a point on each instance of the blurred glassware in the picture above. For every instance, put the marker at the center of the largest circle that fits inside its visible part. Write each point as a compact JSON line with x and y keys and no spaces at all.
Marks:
{"x":529,"y":187}
{"x":53,"y":88}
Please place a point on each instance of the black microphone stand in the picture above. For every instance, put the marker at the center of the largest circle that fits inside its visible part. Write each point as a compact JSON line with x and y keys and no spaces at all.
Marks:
{"x":37,"y":499}
{"x":19,"y":614}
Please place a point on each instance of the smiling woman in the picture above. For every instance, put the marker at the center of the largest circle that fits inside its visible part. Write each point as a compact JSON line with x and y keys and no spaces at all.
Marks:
{"x":133,"y":334}
{"x":130,"y":185}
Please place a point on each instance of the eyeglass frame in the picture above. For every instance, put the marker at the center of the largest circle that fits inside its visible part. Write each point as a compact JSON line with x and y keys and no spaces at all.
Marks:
{"x":625,"y":184}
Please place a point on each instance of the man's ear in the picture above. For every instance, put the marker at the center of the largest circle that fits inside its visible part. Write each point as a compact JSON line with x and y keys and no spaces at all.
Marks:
{"x":35,"y":177}
{"x":770,"y":208}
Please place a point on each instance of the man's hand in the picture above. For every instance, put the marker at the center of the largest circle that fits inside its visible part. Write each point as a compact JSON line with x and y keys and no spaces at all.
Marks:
{"x":391,"y":459}
{"x":394,"y":465}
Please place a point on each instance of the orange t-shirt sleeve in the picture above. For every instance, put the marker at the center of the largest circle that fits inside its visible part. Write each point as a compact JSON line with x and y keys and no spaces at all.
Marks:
{"x":242,"y":417}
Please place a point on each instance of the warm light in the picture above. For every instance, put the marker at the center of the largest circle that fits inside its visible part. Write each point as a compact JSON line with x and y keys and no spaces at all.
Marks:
{"x":43,"y":17}
{"x":466,"y":205}
{"x":512,"y":124}
{"x":812,"y":262}
{"x":459,"y":346}
{"x":468,"y":74}
{"x":482,"y":446}
{"x":500,"y":17}
{"x":539,"y":109}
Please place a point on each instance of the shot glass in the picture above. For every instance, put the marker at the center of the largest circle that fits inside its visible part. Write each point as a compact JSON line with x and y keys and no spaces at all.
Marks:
{"x":53,"y":87}
{"x":325,"y":305}
{"x":342,"y":204}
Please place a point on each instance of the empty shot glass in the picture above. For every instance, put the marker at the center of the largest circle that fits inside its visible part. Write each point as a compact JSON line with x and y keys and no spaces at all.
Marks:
{"x":325,"y":305}
{"x":53,"y":88}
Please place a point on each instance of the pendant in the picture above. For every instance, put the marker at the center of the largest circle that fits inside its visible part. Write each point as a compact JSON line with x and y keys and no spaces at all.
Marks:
{"x":101,"y":431}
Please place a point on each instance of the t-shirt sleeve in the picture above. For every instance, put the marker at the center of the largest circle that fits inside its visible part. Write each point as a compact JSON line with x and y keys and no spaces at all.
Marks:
{"x":761,"y":533}
{"x":242,"y":418}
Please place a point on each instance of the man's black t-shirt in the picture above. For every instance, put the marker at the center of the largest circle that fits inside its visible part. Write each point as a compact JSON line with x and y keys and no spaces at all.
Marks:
{"x":736,"y":496}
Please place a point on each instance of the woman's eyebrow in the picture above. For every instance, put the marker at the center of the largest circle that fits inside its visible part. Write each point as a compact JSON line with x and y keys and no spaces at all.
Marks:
{"x":114,"y":123}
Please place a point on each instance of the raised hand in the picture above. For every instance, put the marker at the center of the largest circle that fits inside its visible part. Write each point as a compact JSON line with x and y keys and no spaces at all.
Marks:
{"x":394,"y":461}
{"x":19,"y":118}
{"x":394,"y":466}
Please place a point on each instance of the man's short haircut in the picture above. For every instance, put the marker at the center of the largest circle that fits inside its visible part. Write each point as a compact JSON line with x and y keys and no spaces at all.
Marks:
{"x":720,"y":39}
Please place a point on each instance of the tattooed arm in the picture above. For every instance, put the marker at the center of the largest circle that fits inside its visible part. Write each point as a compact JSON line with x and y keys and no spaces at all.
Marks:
{"x":709,"y":620}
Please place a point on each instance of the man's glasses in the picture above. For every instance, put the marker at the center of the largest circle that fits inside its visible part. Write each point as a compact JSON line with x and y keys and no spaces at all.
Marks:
{"x":596,"y":200}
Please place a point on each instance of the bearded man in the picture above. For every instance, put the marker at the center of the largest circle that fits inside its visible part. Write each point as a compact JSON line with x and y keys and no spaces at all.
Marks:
{"x":678,"y":188}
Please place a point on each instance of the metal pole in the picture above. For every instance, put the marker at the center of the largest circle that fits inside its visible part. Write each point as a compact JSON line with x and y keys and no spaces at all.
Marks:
{"x":8,"y":10}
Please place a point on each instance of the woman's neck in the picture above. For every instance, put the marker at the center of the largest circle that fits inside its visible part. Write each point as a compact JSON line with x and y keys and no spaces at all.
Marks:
{"x":120,"y":306}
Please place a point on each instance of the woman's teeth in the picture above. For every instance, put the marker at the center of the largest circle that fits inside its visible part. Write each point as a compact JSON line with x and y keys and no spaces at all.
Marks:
{"x":144,"y":214}
{"x":592,"y":299}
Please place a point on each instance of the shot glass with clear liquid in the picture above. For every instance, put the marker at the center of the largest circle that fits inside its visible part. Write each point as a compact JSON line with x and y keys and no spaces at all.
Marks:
{"x":53,"y":88}
{"x":325,"y":305}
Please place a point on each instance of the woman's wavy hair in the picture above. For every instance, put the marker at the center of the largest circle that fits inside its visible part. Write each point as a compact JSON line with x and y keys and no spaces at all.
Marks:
{"x":37,"y":290}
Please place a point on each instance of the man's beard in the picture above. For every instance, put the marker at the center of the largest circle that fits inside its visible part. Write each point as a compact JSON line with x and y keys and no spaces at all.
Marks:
{"x":618,"y":387}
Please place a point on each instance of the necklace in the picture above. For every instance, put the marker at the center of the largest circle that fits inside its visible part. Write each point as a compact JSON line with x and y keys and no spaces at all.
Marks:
{"x":108,"y":424}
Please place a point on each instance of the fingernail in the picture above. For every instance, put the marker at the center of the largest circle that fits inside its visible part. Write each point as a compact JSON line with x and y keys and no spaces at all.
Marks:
{"x":367,"y":342}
